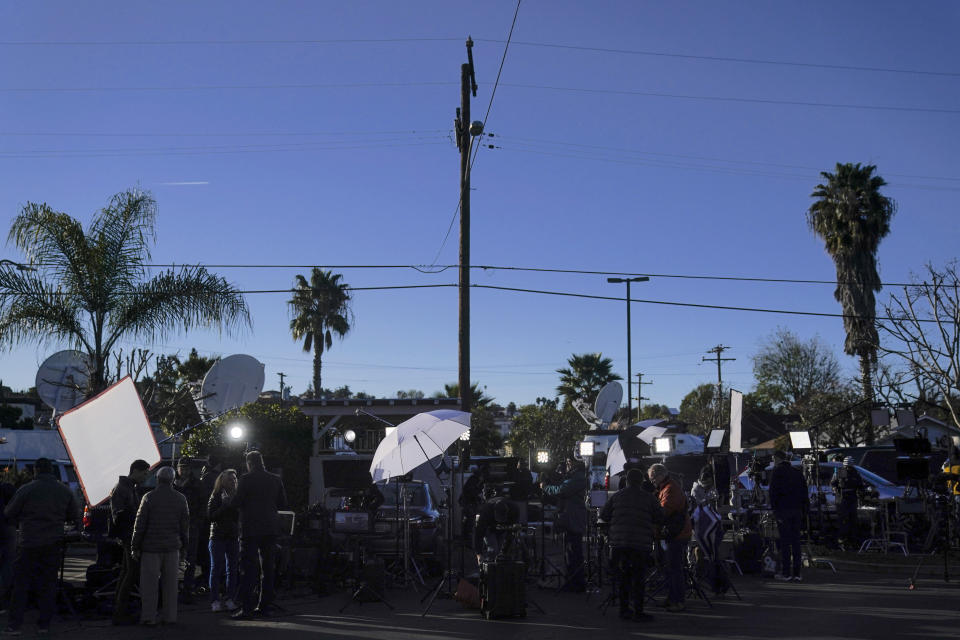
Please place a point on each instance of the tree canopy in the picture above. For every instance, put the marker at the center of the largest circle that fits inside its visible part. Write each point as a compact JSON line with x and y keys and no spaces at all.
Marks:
{"x":90,"y":288}
{"x":584,"y":376}
{"x":319,"y":310}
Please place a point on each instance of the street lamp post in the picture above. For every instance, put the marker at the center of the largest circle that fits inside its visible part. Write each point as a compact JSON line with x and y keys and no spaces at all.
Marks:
{"x":629,"y":353}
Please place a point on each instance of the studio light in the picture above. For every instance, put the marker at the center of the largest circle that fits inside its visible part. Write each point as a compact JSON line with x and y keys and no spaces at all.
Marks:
{"x":586,"y":448}
{"x":236,"y":432}
{"x":800,"y":440}
{"x":349,"y":435}
{"x":543,"y":456}
{"x":662,"y":445}
{"x":465,"y":436}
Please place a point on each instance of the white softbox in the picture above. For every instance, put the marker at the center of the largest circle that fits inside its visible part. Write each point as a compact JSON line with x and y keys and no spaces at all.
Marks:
{"x":736,"y":421}
{"x":104,"y":435}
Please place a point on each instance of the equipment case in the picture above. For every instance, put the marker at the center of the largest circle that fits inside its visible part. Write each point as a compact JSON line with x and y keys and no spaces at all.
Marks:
{"x":503,"y":589}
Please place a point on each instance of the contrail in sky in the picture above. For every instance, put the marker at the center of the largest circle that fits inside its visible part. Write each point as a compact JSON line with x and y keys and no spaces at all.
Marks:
{"x":186,"y":183}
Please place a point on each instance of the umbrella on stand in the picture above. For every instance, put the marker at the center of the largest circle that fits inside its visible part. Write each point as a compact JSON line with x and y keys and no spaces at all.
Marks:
{"x":417,"y":441}
{"x":615,"y":459}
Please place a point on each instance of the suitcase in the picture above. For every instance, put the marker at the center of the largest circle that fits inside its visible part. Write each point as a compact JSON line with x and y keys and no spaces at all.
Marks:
{"x":503,"y":589}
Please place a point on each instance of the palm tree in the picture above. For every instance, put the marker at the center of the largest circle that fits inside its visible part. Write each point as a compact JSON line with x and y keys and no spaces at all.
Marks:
{"x":452,"y":390}
{"x":852,"y":217}
{"x":586,"y":375}
{"x":89,"y":288}
{"x":320,"y":309}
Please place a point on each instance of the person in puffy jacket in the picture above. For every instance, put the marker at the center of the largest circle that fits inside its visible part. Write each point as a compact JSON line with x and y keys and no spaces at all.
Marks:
{"x":160,"y":534}
{"x":224,"y":541}
{"x":677,"y":531}
{"x":790,"y":500}
{"x":632,"y":514}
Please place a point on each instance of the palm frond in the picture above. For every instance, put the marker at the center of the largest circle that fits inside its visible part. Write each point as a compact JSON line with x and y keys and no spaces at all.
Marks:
{"x":32,"y":310}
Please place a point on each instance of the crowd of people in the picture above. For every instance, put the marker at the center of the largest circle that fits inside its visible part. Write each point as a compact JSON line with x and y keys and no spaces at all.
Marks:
{"x":218,"y":523}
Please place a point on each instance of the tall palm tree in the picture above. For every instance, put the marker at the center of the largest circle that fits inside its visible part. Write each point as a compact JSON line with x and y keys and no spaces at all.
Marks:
{"x":90,"y":287}
{"x":586,"y":374}
{"x":852,"y":217}
{"x":320,"y":309}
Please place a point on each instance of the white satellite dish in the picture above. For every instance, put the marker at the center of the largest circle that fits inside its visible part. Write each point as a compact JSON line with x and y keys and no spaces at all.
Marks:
{"x":608,"y":402}
{"x":231,"y":382}
{"x":62,"y":379}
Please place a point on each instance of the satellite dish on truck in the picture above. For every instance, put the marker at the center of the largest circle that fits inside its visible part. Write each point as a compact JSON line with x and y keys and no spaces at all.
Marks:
{"x":608,"y":402}
{"x":230,"y":383}
{"x":62,"y":379}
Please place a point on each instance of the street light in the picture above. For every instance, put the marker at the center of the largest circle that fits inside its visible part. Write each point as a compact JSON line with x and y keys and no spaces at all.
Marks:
{"x":629,"y":354}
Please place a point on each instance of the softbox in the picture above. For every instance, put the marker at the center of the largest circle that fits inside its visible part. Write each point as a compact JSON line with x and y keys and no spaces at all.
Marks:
{"x":104,"y":435}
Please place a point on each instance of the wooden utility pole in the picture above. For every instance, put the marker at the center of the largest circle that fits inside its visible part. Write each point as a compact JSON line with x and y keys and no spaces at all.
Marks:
{"x":468,"y":86}
{"x":718,"y":350}
{"x":282,"y":376}
{"x":640,"y":397}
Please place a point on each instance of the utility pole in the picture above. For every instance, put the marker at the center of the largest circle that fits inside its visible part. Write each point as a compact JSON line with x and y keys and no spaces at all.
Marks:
{"x":465,"y":131}
{"x":282,"y":376}
{"x":718,"y":350}
{"x":640,"y":397}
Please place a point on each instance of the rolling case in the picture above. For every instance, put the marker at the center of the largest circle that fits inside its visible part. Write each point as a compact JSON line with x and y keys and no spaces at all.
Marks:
{"x":503,"y":589}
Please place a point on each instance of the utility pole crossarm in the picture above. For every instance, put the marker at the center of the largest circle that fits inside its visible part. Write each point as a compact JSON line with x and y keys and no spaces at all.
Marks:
{"x":718,"y":351}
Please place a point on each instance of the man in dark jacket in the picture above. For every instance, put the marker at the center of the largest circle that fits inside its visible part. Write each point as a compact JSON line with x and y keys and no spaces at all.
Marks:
{"x":40,"y":507}
{"x":260,"y":495}
{"x":192,"y":489}
{"x":124,"y":502}
{"x":160,"y":535}
{"x":570,"y":495}
{"x":631,"y":513}
{"x":790,"y":501}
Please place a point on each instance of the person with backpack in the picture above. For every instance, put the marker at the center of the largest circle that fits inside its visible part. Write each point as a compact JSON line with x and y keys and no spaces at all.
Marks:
{"x":675,"y":534}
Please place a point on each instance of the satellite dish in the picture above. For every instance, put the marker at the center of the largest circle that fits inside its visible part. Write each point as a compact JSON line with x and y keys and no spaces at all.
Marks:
{"x":586,"y":413}
{"x":62,"y":379}
{"x":608,"y":402}
{"x":231,"y":382}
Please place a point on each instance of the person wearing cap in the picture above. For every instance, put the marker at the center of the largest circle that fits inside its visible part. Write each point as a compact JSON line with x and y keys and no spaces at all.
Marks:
{"x":790,"y":501}
{"x":40,"y":508}
{"x":847,"y":485}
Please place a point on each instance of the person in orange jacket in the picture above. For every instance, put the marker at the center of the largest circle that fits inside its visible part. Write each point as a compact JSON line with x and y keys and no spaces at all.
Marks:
{"x":675,"y":534}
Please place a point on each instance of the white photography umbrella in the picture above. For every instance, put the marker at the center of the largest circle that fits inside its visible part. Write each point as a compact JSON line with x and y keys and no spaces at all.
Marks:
{"x":615,"y":458}
{"x":416,"y":441}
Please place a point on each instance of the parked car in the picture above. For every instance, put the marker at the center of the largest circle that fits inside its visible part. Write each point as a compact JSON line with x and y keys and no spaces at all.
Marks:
{"x":881,"y":488}
{"x":62,"y":469}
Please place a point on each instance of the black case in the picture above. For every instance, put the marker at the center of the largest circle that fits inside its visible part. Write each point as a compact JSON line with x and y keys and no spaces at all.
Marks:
{"x":503,"y":589}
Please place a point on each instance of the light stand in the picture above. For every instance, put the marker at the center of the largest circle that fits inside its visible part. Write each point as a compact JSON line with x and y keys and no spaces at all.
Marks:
{"x":448,"y":574}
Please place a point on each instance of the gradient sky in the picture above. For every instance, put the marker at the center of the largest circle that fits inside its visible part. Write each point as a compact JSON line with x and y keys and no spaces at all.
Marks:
{"x":610,"y":159}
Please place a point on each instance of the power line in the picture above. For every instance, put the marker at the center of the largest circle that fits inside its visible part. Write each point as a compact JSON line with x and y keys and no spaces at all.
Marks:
{"x":231,"y":87}
{"x":514,"y":268}
{"x":653,"y":94}
{"x":334,"y":41}
{"x":785,"y":63}
{"x":209,"y":134}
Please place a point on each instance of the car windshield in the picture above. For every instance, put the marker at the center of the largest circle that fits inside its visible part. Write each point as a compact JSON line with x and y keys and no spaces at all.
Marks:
{"x":416,"y":494}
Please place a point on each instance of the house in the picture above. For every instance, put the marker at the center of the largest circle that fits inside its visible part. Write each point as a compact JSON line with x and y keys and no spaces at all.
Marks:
{"x":940,"y":434}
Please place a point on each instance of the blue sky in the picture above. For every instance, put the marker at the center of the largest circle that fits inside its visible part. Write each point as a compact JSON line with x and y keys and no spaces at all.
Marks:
{"x":595,"y":172}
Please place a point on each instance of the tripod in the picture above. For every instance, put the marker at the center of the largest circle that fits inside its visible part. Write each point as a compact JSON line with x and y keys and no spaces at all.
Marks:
{"x":360,"y":585}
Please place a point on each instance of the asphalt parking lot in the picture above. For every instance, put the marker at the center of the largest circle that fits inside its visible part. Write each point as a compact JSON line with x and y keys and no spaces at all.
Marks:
{"x":848,"y":604}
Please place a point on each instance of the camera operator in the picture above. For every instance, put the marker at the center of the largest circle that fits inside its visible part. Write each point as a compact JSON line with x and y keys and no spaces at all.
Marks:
{"x":676,"y":533}
{"x":790,"y":501}
{"x":569,"y":494}
{"x":495,"y":511}
{"x":632,"y":514}
{"x":471,"y":495}
{"x":124,"y":502}
{"x":847,"y":485}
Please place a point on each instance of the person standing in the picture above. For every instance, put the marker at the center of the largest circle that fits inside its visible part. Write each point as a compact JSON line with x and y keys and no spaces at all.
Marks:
{"x":8,"y":545}
{"x":790,"y":500}
{"x":260,"y":495}
{"x":632,"y":513}
{"x":160,"y":535}
{"x":676,"y":533}
{"x":190,"y":486}
{"x":847,"y":485}
{"x":124,"y":502}
{"x":570,"y":495}
{"x":224,"y":541}
{"x":208,"y":477}
{"x":40,"y":508}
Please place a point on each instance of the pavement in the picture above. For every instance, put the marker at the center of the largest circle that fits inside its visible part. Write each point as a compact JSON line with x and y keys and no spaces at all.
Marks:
{"x":849,"y":605}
